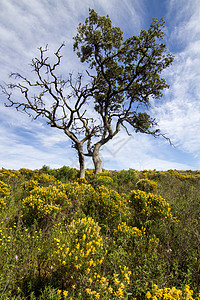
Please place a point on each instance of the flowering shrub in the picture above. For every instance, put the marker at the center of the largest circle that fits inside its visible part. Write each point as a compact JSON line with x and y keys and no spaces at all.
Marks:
{"x":8,"y":175}
{"x":110,"y":207}
{"x":171,"y":294}
{"x":104,"y":179}
{"x":148,"y":206}
{"x":4,"y":193}
{"x":4,"y":190}
{"x":27,"y":173}
{"x":77,"y":258}
{"x":43,"y":202}
{"x":146,"y":185}
{"x":128,"y":236}
{"x":77,"y":255}
{"x":81,"y":194}
{"x":79,"y":247}
{"x":78,"y":241}
{"x":101,"y":203}
{"x":28,"y":186}
{"x":44,"y":179}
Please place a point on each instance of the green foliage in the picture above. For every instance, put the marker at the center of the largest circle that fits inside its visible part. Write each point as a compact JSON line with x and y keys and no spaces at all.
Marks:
{"x":125,"y":70}
{"x":63,"y":174}
{"x":104,"y":179}
{"x":148,"y":186}
{"x":4,"y":194}
{"x":149,"y":208}
{"x":44,"y":203}
{"x":84,"y":240}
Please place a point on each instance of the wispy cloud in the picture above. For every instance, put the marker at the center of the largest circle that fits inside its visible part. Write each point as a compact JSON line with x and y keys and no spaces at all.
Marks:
{"x":27,"y":25}
{"x":180,"y":115}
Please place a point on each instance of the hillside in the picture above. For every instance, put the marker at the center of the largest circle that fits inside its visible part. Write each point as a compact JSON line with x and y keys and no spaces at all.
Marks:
{"x":117,"y":235}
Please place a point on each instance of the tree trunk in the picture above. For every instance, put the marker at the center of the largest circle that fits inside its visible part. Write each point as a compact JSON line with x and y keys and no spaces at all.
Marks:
{"x":96,"y":159}
{"x":81,"y":161}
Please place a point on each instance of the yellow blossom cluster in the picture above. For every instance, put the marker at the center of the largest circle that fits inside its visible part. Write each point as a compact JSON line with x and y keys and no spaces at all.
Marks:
{"x":82,"y":245}
{"x":120,"y":282}
{"x":44,"y":179}
{"x":4,"y":193}
{"x":109,"y":203}
{"x":147,"y":185}
{"x":81,"y":194}
{"x":45,"y":201}
{"x":149,"y":205}
{"x":171,"y":294}
{"x":104,"y":179}
{"x":29,"y":185}
{"x":62,"y":293}
{"x":133,"y":231}
{"x":112,"y":288}
{"x":7,"y":174}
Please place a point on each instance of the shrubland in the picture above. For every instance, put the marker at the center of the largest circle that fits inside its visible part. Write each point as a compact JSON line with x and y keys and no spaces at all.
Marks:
{"x":114,"y":235}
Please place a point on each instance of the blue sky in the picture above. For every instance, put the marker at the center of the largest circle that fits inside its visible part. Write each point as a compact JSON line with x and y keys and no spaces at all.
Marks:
{"x":27,"y":25}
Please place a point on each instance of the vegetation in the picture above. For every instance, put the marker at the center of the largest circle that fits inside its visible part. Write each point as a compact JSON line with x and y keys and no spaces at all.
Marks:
{"x":115,"y":235}
{"x":119,"y":80}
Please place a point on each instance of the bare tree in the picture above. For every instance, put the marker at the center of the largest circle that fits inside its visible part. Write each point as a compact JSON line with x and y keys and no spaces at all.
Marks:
{"x":47,"y":97}
{"x":122,"y":78}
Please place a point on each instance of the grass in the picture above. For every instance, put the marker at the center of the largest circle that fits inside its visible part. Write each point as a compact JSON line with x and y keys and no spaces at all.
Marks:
{"x":117,"y":235}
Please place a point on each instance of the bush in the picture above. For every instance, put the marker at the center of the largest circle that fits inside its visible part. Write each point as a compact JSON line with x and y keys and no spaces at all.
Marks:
{"x":148,"y":186}
{"x":149,"y":208}
{"x":4,"y":194}
{"x":43,"y":204}
{"x":84,"y":240}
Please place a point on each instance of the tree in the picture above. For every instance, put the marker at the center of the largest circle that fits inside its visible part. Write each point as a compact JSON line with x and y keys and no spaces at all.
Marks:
{"x":122,"y":77}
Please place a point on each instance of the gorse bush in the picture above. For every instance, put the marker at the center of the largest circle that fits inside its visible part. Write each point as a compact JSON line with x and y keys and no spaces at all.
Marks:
{"x":4,"y":194}
{"x":171,"y":293}
{"x":149,"y":208}
{"x":147,"y":185}
{"x":43,"y":203}
{"x":111,"y":236}
{"x":77,"y":255}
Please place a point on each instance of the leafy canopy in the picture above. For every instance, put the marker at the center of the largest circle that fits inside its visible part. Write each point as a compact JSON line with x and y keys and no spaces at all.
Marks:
{"x":127,"y":73}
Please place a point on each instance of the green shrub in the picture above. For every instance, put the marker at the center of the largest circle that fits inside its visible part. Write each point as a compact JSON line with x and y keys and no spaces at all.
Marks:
{"x":148,"y":186}
{"x":43,"y":204}
{"x":148,"y":208}
{"x":84,"y":240}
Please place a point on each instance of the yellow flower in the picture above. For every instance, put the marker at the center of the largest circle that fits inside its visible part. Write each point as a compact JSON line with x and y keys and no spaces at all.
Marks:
{"x":90,"y":280}
{"x":88,"y":291}
{"x":148,"y":295}
{"x":65,"y":293}
{"x":116,"y":281}
{"x":122,"y":286}
{"x":91,"y":262}
{"x":120,"y":292}
{"x":110,"y":289}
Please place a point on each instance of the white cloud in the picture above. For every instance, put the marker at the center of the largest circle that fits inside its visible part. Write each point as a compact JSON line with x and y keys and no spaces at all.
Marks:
{"x":26,"y":25}
{"x":179,"y":116}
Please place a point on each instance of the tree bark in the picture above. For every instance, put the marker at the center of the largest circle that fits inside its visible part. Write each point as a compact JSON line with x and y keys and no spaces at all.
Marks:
{"x":96,"y":159}
{"x":81,"y":161}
